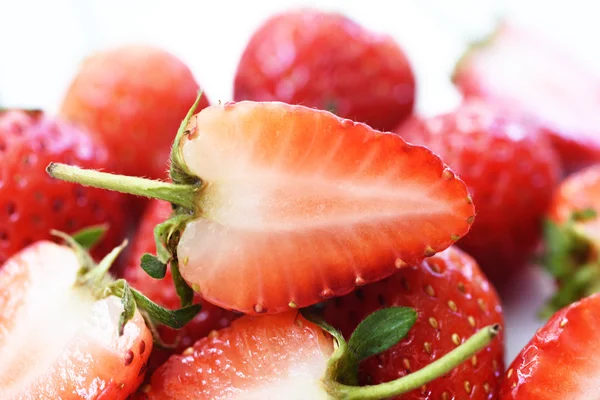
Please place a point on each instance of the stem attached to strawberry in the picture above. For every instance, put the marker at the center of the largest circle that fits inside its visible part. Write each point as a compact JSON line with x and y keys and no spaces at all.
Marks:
{"x":181,"y":194}
{"x":415,"y":380}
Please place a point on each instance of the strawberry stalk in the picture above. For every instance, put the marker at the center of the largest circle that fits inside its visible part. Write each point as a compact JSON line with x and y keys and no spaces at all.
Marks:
{"x":376,"y":334}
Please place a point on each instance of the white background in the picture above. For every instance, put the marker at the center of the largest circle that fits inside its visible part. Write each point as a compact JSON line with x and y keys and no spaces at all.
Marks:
{"x":42,"y":43}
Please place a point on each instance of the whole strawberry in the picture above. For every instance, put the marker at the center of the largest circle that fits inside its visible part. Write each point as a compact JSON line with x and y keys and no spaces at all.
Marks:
{"x":572,"y":238}
{"x":133,"y":98}
{"x":163,"y":292}
{"x":561,"y":360}
{"x":453,"y":299}
{"x":31,"y":203}
{"x":327,"y":61}
{"x":518,"y":68}
{"x":510,"y":170}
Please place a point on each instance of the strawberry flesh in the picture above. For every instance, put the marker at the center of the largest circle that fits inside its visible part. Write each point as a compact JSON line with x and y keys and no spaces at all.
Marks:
{"x":279,"y":356}
{"x":298,"y":205}
{"x":57,"y":340}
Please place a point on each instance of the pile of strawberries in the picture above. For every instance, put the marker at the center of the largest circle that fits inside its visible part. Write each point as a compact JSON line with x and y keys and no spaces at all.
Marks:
{"x":314,"y":239}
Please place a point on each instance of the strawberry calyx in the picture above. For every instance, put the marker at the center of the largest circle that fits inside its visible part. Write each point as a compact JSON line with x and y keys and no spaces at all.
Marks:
{"x":572,"y":258}
{"x":377,"y":333}
{"x":101,"y":284}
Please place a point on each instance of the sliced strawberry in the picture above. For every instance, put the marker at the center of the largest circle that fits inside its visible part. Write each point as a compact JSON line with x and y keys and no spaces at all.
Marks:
{"x":289,"y":205}
{"x":285,"y":356}
{"x":517,"y":67}
{"x":57,"y":340}
{"x":163,"y":292}
{"x":562,"y":360}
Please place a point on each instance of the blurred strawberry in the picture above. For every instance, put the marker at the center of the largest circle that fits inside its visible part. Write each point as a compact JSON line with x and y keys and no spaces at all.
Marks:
{"x":327,"y":61}
{"x":32,"y":203}
{"x":572,"y":238}
{"x":518,"y":68}
{"x":133,"y":98}
{"x":163,"y":291}
{"x":510,"y":170}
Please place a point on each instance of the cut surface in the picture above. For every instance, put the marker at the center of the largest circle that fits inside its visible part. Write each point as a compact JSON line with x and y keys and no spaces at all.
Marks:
{"x":516,"y":67}
{"x":279,"y":356}
{"x":56,"y":340}
{"x":300,"y":205}
{"x":562,"y":361}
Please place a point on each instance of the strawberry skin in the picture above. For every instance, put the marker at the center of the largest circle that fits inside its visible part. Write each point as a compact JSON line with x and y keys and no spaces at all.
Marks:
{"x":32,"y":203}
{"x":136,"y":92}
{"x":327,"y":61}
{"x":561,"y":361}
{"x":57,"y":340}
{"x":510,"y":170}
{"x":163,"y":292}
{"x":298,"y":205}
{"x":453,"y":299}
{"x":279,"y":356}
{"x":518,"y":68}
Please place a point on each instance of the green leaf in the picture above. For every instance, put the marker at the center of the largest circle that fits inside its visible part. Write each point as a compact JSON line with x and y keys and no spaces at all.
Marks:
{"x":559,"y":244}
{"x":90,"y":236}
{"x":153,"y":266}
{"x":175,"y":319}
{"x":163,"y":254}
{"x":99,"y":272}
{"x":128,"y":307}
{"x":381,"y":330}
{"x":184,"y":291}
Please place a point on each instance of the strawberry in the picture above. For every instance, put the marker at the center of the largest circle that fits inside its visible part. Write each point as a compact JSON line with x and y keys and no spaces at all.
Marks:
{"x":516,"y":67}
{"x":163,"y":292}
{"x":57,"y":338}
{"x":31,"y":204}
{"x":572,"y":237}
{"x":560,"y":361}
{"x":285,"y":356}
{"x":453,"y":299}
{"x":327,"y":61}
{"x":133,"y":98}
{"x":510,"y":170}
{"x":282,"y":206}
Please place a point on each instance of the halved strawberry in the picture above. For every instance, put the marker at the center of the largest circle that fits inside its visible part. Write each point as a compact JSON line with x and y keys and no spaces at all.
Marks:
{"x":67,"y":330}
{"x":572,"y":238}
{"x":562,"y":360}
{"x":281,"y":206}
{"x":58,"y":340}
{"x":516,"y":67}
{"x":285,"y":356}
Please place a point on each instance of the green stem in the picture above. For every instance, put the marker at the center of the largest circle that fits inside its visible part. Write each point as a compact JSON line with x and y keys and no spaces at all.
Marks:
{"x":182,"y":195}
{"x":421,"y":377}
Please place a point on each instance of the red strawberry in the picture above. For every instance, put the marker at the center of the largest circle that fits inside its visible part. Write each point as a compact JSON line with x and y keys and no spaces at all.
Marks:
{"x":573,"y":238}
{"x":163,"y":292}
{"x":327,"y":61}
{"x":58,"y":338}
{"x":283,"y":206}
{"x":518,"y":68}
{"x":31,"y":204}
{"x":133,"y":98}
{"x":453,"y":299}
{"x":510,"y":171}
{"x":284,"y":356}
{"x":562,"y":360}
